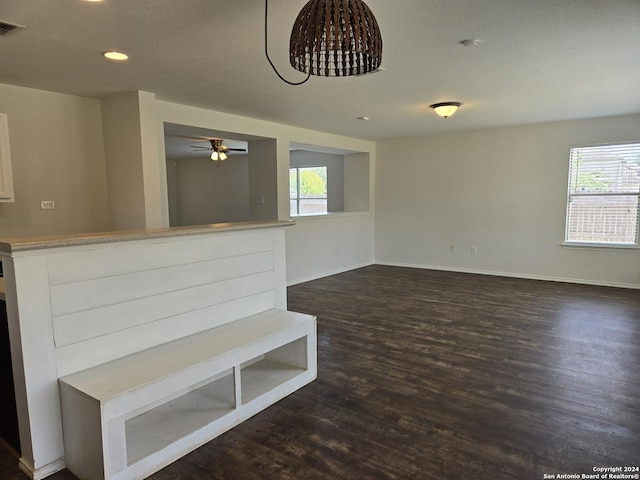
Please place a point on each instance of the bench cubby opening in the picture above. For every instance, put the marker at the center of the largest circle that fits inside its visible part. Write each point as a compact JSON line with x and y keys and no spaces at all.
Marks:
{"x":266,"y":372}
{"x":153,"y":430}
{"x":128,"y":418}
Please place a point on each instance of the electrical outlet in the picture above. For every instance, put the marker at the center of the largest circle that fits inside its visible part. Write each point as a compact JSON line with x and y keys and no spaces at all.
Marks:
{"x":474,"y":250}
{"x":452,"y":247}
{"x":47,"y":205}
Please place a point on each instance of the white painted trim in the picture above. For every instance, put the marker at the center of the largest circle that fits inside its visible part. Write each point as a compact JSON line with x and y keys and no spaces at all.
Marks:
{"x":6,"y":177}
{"x":328,"y":274}
{"x":514,"y":275}
{"x":322,"y":216}
{"x":614,"y":247}
{"x":41,"y":472}
{"x":25,"y":468}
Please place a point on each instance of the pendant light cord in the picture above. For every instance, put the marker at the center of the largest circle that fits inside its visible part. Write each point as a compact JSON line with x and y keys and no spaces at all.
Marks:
{"x":266,"y":51}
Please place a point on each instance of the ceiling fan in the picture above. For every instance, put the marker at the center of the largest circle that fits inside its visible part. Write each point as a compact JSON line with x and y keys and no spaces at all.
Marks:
{"x":218,"y":150}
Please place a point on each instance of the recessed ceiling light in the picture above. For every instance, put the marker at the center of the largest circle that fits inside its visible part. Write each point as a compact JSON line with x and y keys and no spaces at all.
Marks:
{"x":472,"y":42}
{"x":115,"y":55}
{"x":363,"y":118}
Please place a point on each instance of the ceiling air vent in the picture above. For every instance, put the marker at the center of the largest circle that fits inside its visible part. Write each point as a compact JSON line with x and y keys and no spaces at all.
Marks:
{"x":6,"y":27}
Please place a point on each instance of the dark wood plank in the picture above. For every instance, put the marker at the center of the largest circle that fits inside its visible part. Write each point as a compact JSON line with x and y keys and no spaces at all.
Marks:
{"x":431,"y":375}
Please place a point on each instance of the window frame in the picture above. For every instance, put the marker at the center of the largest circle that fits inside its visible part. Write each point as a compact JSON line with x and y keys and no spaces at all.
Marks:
{"x":298,"y":198}
{"x":572,"y":171}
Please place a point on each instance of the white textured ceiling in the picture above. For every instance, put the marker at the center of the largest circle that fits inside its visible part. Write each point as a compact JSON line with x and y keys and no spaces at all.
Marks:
{"x":538,"y":60}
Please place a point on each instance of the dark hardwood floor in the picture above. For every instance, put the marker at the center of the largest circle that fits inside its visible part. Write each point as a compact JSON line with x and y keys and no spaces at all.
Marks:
{"x":435,"y":375}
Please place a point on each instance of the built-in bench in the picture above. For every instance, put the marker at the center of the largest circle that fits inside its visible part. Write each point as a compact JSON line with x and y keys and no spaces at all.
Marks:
{"x":133,"y":348}
{"x":130,"y":417}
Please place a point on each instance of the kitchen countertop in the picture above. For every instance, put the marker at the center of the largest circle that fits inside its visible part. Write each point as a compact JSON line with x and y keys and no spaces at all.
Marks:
{"x":13,"y":245}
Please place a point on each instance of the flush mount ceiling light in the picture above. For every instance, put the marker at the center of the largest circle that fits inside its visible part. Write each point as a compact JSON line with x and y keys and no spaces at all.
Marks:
{"x":115,"y":55}
{"x":446,"y":109}
{"x":333,"y":38}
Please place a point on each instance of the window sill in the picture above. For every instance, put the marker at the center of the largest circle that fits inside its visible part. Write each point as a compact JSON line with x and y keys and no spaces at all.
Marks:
{"x":328,"y":215}
{"x":612,"y":247}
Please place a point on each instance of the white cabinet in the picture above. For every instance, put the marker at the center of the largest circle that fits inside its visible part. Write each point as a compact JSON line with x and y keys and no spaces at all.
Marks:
{"x":6,"y":177}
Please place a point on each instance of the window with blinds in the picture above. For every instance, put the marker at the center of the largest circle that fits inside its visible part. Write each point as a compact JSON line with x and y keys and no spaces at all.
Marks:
{"x":603,"y":195}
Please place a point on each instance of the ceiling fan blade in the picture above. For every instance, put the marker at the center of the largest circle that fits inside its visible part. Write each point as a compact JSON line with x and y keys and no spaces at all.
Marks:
{"x":196,"y":139}
{"x":236,"y":149}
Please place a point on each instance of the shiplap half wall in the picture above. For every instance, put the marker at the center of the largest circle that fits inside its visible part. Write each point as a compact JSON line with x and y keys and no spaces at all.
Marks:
{"x":74,"y":306}
{"x":103,"y":306}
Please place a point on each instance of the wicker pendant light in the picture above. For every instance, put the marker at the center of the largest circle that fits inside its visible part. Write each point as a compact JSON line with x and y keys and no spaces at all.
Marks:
{"x":335,"y":38}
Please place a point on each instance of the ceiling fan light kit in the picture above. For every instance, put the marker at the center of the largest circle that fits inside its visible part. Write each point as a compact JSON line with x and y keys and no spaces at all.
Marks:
{"x":218,"y":150}
{"x":215,"y":156}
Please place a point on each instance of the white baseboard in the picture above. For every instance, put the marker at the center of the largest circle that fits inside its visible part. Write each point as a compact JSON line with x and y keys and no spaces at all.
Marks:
{"x":42,"y":472}
{"x":514,"y":275}
{"x":326,"y":274}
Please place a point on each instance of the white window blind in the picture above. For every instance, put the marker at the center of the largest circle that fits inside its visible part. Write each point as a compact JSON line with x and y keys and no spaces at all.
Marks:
{"x":603,"y":194}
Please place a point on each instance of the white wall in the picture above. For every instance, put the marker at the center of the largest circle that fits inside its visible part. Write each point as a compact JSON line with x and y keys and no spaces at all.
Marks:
{"x":57,"y":152}
{"x":134,"y":152}
{"x":206,"y":192}
{"x":502,"y":190}
{"x":123,"y":151}
{"x":328,"y":244}
{"x":58,"y":149}
{"x":263,"y":179}
{"x":310,"y":252}
{"x":357,"y":178}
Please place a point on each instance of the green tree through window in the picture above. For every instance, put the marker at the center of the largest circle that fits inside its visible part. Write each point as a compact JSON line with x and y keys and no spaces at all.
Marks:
{"x":308,"y":190}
